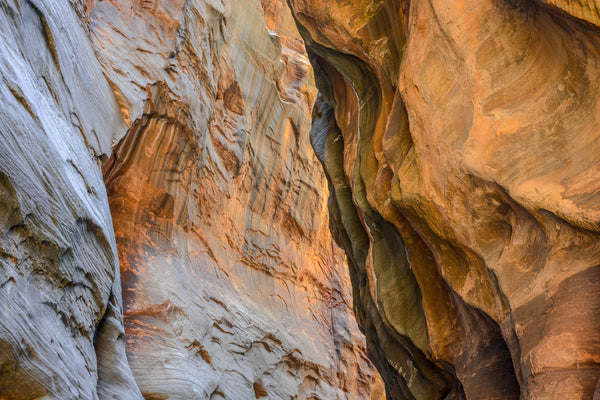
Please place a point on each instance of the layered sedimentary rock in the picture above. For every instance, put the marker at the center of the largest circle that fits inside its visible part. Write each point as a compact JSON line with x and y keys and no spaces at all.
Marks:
{"x":189,"y":121}
{"x":61,"y":327}
{"x":232,"y":285}
{"x":461,"y":142}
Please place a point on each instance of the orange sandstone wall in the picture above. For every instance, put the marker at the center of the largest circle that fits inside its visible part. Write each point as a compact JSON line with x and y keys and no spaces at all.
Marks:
{"x":461,"y":141}
{"x":233,"y":286}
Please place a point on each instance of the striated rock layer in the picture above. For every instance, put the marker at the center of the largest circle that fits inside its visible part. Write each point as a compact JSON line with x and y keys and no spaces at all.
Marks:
{"x":61,"y":326}
{"x":232,"y":285}
{"x":461,"y":142}
{"x":188,"y":121}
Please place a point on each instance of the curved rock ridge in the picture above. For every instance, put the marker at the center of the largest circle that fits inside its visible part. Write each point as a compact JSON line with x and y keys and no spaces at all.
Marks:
{"x":61,"y":326}
{"x":461,"y":143}
{"x":167,"y":141}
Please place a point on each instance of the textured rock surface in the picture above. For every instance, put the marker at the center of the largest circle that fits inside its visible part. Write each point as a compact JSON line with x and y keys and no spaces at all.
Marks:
{"x":195,"y":115}
{"x":461,"y":142}
{"x":61,"y":327}
{"x":232,"y":285}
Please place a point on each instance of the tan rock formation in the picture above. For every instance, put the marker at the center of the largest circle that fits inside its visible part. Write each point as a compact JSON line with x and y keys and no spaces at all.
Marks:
{"x":196,"y":114}
{"x":232,"y":285}
{"x":461,"y":143}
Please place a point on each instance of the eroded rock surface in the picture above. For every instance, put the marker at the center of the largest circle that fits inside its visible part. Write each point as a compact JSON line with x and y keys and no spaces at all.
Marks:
{"x":233,"y":287}
{"x":461,"y":141}
{"x":195,"y":115}
{"x":61,"y":327}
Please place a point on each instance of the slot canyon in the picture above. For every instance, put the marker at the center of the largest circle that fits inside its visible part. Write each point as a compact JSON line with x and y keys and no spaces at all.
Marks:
{"x":300,"y":199}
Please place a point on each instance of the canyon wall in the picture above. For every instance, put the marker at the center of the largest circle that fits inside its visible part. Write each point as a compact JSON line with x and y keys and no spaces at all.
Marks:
{"x":461,"y":143}
{"x":164,"y":230}
{"x":61,"y":326}
{"x":165,"y":227}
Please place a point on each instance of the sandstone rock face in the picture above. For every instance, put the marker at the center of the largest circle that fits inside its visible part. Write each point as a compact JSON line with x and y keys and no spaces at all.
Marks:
{"x":461,"y":143}
{"x":189,"y":122}
{"x":61,"y":327}
{"x":232,"y":285}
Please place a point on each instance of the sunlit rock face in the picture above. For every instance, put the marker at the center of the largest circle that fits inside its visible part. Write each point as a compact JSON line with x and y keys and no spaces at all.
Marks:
{"x":232,"y":285}
{"x":461,"y":141}
{"x":189,"y":122}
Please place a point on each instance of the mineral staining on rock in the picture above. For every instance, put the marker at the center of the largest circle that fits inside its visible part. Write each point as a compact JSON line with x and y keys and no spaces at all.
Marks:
{"x":232,"y":285}
{"x":461,"y":144}
{"x":187,"y":121}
